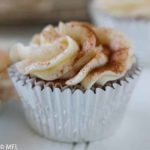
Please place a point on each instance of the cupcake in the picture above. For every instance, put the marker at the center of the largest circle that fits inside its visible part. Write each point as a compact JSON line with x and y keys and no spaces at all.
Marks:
{"x":75,"y":81}
{"x":131,"y":17}
{"x":4,"y":84}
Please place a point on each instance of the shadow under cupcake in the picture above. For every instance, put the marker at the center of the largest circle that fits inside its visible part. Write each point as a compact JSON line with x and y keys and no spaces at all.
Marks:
{"x":75,"y":81}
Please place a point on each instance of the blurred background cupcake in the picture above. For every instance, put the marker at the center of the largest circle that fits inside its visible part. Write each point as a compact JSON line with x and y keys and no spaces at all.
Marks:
{"x":6,"y":90}
{"x":130,"y":16}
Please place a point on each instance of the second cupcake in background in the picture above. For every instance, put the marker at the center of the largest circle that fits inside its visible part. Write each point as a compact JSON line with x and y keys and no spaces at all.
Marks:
{"x":75,"y":81}
{"x":129,"y":16}
{"x":6,"y":88}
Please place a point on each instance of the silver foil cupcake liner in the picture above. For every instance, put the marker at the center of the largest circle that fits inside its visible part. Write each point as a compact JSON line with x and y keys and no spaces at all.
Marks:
{"x":74,"y":116}
{"x":137,"y":29}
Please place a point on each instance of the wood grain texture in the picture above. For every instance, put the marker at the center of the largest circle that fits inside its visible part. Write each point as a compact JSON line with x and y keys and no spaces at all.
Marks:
{"x":33,"y":11}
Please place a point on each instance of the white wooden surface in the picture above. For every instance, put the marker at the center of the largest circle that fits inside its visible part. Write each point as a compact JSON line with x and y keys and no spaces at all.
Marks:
{"x":134,"y":133}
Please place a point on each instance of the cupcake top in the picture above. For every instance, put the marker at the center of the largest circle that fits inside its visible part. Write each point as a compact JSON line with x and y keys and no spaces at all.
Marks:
{"x":75,"y":53}
{"x":127,"y":8}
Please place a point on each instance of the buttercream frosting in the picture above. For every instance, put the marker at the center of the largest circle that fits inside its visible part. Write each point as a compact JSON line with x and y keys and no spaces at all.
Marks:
{"x":77,"y":53}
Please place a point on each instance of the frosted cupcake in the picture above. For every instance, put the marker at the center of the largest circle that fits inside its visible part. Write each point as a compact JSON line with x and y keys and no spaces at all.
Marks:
{"x":130,"y":16}
{"x":4,"y":62}
{"x":75,"y":81}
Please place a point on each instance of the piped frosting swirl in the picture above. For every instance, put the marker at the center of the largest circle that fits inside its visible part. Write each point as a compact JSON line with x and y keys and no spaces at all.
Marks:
{"x":77,"y":53}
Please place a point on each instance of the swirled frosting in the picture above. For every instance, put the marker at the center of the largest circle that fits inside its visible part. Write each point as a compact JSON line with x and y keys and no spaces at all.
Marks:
{"x":129,"y":8}
{"x":77,"y":53}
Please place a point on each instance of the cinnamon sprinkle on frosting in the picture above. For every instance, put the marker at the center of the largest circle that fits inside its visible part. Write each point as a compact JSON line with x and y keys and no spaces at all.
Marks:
{"x":77,"y":53}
